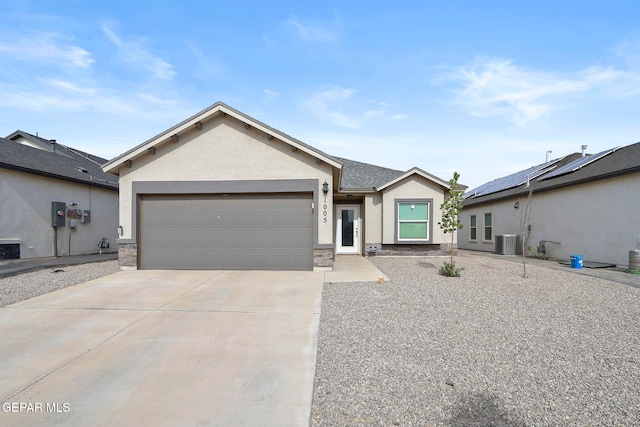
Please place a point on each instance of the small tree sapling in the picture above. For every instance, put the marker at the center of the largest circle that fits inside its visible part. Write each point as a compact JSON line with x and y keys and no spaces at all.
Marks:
{"x":451,"y":209}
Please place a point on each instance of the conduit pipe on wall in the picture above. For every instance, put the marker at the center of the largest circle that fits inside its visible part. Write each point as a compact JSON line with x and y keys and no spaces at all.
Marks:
{"x":55,"y":242}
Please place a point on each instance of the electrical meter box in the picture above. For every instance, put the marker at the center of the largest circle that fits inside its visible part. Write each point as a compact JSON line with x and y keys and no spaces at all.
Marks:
{"x":86,"y":216}
{"x":58,"y":210}
{"x":75,"y":213}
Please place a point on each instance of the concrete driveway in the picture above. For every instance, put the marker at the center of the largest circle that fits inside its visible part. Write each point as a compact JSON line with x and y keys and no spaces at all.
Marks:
{"x":164,"y":348}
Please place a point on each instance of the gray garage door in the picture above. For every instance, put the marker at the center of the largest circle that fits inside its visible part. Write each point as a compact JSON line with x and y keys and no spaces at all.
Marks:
{"x":232,"y":232}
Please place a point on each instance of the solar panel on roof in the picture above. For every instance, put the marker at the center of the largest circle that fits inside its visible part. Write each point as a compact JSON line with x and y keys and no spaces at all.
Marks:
{"x":512,"y":181}
{"x":578,"y":164}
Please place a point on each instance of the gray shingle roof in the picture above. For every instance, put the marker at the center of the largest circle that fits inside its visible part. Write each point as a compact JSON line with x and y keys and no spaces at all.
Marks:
{"x":363,"y":176}
{"x":64,"y":163}
{"x":623,"y":161}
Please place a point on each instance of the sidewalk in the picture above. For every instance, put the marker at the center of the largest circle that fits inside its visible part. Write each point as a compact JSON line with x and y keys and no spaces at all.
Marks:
{"x":11,"y":267}
{"x":353,"y":268}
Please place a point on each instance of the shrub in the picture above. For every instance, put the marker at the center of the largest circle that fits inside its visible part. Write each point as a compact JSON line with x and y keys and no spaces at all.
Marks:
{"x":449,"y":269}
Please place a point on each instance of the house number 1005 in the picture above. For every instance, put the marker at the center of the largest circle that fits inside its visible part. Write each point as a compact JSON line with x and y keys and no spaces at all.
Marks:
{"x":324,"y":213}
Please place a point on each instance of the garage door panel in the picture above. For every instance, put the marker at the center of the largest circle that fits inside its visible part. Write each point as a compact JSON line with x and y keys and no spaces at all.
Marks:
{"x":228,"y":259}
{"x":263,"y":231}
{"x":204,"y":239}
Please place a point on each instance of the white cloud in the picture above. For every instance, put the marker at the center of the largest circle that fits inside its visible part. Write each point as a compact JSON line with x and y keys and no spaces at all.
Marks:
{"x":313,"y":33}
{"x":204,"y":65}
{"x":48,"y":47}
{"x":340,"y":107}
{"x":62,"y":96}
{"x":496,"y":86}
{"x":319,"y":104}
{"x":133,"y":51}
{"x":270,"y":95}
{"x":68,"y":86}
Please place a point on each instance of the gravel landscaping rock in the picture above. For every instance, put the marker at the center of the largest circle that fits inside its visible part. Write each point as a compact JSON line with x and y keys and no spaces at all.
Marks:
{"x":28,"y":285}
{"x":487,"y":349}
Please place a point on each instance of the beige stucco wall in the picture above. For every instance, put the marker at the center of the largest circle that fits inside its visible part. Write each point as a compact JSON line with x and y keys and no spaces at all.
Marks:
{"x":25,"y":214}
{"x":372,"y":218}
{"x":598,"y":220}
{"x":225,"y":150}
{"x":413,"y":187}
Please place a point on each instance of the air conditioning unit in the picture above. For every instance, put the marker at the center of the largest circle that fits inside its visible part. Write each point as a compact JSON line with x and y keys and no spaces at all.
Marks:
{"x":506,"y":244}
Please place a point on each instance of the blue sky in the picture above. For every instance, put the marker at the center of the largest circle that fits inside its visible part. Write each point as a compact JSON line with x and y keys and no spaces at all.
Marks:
{"x":484,"y":88}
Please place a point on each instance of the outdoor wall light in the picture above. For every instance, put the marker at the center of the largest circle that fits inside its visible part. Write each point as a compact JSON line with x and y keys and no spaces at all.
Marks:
{"x":516,"y":205}
{"x":325,"y":187}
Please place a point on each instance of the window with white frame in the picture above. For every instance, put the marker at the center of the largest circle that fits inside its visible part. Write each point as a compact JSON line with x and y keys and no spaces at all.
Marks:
{"x":473,"y":228}
{"x":413,"y":220}
{"x":488,"y":226}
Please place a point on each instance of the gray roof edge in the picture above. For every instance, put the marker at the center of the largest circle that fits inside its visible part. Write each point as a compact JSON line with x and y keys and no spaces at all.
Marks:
{"x":542,"y":184}
{"x":415,"y":169}
{"x":110,"y":186}
{"x":47,"y":143}
{"x":220,"y":105}
{"x":521,"y":192}
{"x":33,"y":138}
{"x":166,"y":132}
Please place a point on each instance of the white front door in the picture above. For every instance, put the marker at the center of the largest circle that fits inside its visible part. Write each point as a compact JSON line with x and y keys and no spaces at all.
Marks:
{"x":348,"y":229}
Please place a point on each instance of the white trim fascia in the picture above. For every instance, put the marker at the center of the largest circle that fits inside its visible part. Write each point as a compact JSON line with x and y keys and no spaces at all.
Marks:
{"x":357,"y":191}
{"x":417,"y":171}
{"x":164,"y":137}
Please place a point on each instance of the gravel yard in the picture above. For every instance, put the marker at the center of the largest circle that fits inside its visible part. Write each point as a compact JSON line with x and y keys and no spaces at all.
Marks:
{"x":487,"y":349}
{"x":28,"y":285}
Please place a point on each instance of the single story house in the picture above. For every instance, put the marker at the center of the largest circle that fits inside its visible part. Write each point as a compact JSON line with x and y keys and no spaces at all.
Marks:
{"x":222,"y":190}
{"x":581,"y":204}
{"x":55,"y":200}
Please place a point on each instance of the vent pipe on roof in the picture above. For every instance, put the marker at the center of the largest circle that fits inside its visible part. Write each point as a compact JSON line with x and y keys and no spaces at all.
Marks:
{"x":584,"y":149}
{"x":53,"y":145}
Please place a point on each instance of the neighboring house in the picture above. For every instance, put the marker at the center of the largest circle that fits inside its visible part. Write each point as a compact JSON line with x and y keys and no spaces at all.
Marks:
{"x":41,"y":184}
{"x":222,"y":190}
{"x":581,"y":205}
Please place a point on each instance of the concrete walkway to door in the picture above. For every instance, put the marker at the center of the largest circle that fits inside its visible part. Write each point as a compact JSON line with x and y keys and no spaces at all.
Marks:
{"x":353,"y":268}
{"x":214,"y":348}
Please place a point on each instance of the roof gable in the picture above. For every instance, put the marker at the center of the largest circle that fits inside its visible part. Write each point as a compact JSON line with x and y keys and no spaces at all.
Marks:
{"x":195,"y":122}
{"x":31,"y":140}
{"x":419,"y":172}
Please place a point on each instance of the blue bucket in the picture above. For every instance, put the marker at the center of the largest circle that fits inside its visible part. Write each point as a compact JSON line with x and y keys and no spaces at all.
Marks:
{"x":576,"y":261}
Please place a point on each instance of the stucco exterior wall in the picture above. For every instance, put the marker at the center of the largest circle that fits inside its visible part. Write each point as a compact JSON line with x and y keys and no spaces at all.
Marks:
{"x":413,"y":187}
{"x":25,"y":215}
{"x":372,"y":219}
{"x":224,"y":150}
{"x":597,"y":220}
